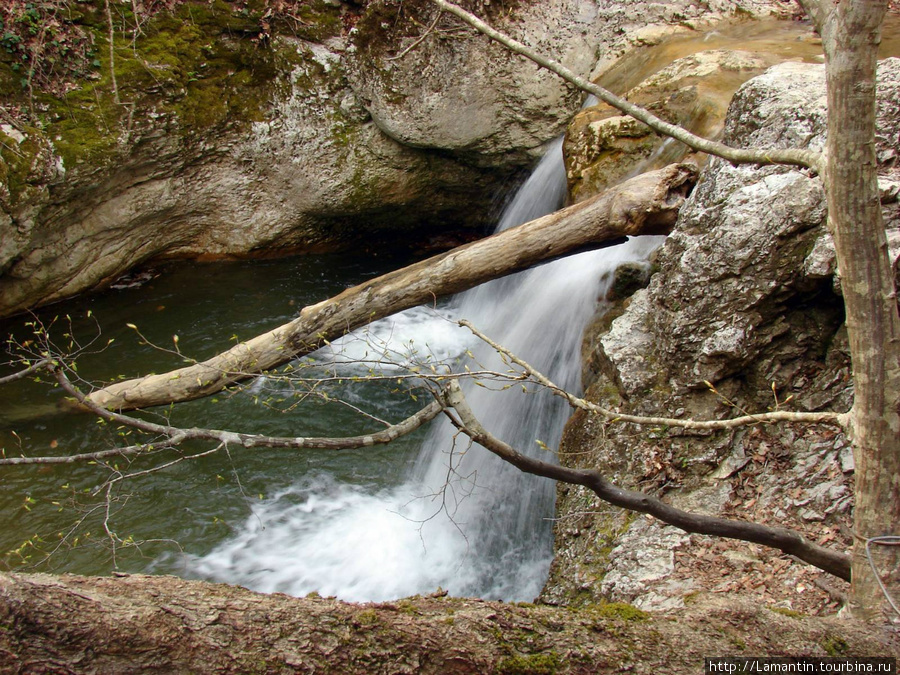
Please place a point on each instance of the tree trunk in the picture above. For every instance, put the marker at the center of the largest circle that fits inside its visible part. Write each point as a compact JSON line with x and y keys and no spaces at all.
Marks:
{"x":851,"y":33}
{"x":146,"y":624}
{"x":647,"y":204}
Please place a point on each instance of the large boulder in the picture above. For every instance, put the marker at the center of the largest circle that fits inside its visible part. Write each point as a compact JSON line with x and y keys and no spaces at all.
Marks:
{"x":461,"y":93}
{"x":218,"y":149}
{"x":742,"y":314}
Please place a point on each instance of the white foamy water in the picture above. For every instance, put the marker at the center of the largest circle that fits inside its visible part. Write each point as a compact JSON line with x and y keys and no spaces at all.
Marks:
{"x":338,"y":540}
{"x":418,"y":337}
{"x":462,"y":520}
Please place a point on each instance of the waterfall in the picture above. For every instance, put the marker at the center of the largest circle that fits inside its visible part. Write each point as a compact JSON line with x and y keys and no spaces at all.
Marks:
{"x":463,"y":520}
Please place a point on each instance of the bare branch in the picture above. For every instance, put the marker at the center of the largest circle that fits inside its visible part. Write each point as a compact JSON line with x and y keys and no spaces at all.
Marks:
{"x":33,"y":368}
{"x":418,"y":41}
{"x":171,"y":436}
{"x":789,"y":541}
{"x":169,"y":442}
{"x":790,"y":156}
{"x":381,"y":437}
{"x":697,"y":425}
{"x":111,"y":36}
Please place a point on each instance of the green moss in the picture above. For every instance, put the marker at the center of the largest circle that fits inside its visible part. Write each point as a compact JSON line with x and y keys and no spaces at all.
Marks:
{"x":622,"y":611}
{"x":545,"y":663}
{"x":787,"y":612}
{"x":607,"y":529}
{"x":318,"y":21}
{"x":835,"y":646}
{"x":343,"y":135}
{"x":370,"y":28}
{"x":17,"y":162}
{"x":84,"y":127}
{"x":366,"y":617}
{"x":205,"y":66}
{"x":210,"y":77}
{"x":691,"y":597}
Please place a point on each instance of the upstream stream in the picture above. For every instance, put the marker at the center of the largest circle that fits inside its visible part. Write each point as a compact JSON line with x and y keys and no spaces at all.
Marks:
{"x":425,"y":512}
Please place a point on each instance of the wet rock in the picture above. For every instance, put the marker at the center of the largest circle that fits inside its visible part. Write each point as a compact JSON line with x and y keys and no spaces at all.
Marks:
{"x":628,"y":279}
{"x":603,"y":147}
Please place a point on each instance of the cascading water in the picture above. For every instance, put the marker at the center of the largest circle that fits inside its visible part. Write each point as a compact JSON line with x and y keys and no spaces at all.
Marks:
{"x":463,"y":520}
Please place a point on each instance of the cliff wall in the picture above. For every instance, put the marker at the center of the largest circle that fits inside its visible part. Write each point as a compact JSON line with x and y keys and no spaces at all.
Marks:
{"x":133,"y":132}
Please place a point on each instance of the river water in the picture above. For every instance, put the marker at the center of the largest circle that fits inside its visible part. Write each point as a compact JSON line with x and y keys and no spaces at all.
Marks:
{"x":458,"y":518}
{"x":195,"y":505}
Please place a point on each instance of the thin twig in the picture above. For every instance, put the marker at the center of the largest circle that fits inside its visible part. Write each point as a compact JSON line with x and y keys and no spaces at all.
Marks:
{"x":419,"y":40}
{"x":790,"y":156}
{"x":705,"y":425}
{"x":887,"y":540}
{"x":34,"y":367}
{"x":178,"y":435}
{"x":112,"y":54}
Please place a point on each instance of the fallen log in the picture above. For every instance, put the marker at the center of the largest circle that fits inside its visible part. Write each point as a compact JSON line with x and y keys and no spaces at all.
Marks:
{"x":646,"y":204}
{"x":69,"y":624}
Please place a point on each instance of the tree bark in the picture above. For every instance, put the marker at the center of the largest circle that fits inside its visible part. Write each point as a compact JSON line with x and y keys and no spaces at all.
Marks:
{"x":67,"y":624}
{"x":647,"y":204}
{"x":851,"y":33}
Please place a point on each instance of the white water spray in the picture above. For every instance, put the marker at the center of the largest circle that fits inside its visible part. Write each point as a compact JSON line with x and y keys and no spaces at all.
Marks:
{"x":464,"y":520}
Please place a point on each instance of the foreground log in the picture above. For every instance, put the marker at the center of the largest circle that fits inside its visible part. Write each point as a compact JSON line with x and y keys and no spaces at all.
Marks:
{"x":68,"y":624}
{"x":647,"y":204}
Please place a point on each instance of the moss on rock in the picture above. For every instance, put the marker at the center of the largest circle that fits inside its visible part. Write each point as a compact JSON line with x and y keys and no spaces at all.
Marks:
{"x":22,"y":162}
{"x":546,"y":663}
{"x":202,"y":66}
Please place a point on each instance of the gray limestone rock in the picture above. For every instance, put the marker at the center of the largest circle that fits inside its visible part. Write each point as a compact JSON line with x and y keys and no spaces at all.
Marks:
{"x":742,"y":314}
{"x":603,"y":146}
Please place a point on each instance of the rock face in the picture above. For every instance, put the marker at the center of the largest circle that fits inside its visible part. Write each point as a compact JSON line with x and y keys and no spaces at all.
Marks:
{"x":215,"y":132}
{"x":604,"y":147}
{"x":743,"y":313}
{"x":266,"y":154}
{"x":464,"y":94}
{"x":682,"y":77}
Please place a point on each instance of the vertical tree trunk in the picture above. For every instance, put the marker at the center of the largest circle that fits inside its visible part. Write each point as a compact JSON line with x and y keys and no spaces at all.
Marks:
{"x":851,"y":34}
